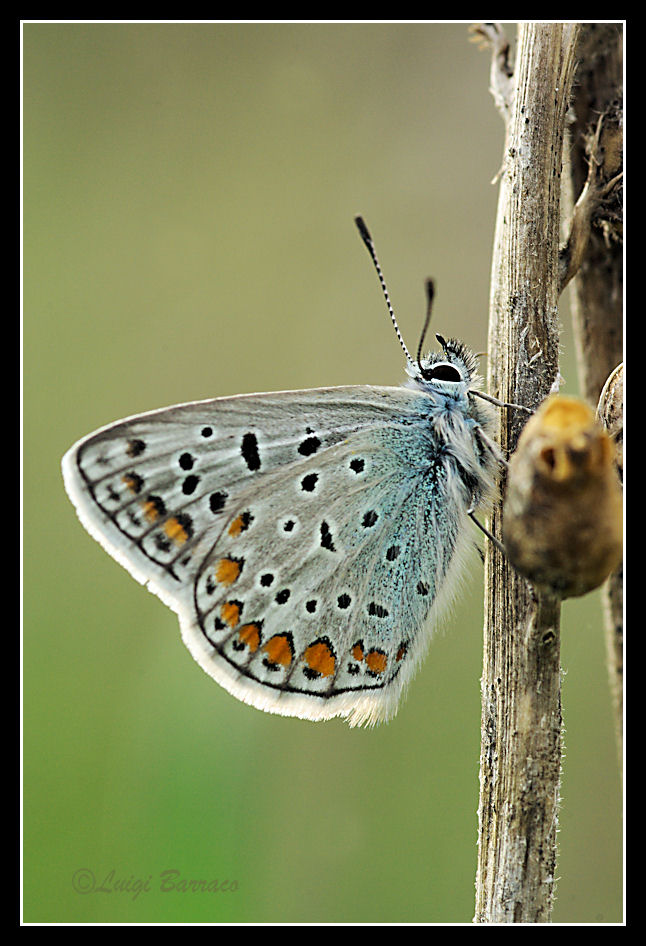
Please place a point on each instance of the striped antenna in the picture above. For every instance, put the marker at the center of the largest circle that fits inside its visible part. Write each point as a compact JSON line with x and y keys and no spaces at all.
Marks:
{"x":367,"y":239}
{"x":430,"y":293}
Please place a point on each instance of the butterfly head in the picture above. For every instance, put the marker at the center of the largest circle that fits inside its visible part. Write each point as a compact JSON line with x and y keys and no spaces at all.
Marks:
{"x":453,"y":370}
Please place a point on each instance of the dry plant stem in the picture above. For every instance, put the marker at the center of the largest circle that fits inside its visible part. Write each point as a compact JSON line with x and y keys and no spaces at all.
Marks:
{"x":501,"y":83}
{"x":611,"y":414}
{"x":520,"y":758}
{"x":597,"y":297}
{"x":612,"y":597}
{"x":597,"y":290}
{"x":593,"y":193}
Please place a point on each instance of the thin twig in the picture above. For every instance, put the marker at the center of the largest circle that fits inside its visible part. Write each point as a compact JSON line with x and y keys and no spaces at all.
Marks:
{"x":501,"y":84}
{"x":596,"y":190}
{"x":610,"y":412}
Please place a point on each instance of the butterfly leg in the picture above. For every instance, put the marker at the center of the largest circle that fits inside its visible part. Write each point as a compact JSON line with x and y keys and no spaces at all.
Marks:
{"x":494,"y":400}
{"x":490,"y":535}
{"x":491,"y":446}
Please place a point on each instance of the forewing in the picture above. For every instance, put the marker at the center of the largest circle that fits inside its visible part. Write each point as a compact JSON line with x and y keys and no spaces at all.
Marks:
{"x":155,"y":489}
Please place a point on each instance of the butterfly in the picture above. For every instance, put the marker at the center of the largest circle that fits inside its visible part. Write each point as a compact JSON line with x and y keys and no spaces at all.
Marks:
{"x":308,"y":540}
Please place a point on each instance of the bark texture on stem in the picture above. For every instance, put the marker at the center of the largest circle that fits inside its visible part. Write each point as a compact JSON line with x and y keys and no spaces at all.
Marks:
{"x":597,"y":297}
{"x":521,"y":709}
{"x":597,"y":290}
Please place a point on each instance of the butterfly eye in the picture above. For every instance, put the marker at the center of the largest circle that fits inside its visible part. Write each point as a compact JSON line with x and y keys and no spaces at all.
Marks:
{"x":442,"y":372}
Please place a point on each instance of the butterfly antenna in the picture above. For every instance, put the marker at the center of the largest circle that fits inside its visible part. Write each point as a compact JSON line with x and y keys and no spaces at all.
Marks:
{"x":367,"y":239}
{"x":430,"y":293}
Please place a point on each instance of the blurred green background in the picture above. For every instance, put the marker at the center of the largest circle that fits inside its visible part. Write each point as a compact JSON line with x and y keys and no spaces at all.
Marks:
{"x":189,"y":193}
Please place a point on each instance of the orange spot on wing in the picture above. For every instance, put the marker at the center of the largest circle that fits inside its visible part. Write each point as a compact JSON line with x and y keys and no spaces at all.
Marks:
{"x":132,"y":481}
{"x":135,"y":447}
{"x":227,"y":570}
{"x":175,"y":531}
{"x":376,"y":661}
{"x":239,"y":524}
{"x":249,"y":634}
{"x":230,"y":612}
{"x":357,"y":651}
{"x":279,"y":650}
{"x":151,"y":512}
{"x":320,"y":659}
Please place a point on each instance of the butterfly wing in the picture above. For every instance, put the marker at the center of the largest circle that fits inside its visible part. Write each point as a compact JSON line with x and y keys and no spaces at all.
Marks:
{"x":302,"y":537}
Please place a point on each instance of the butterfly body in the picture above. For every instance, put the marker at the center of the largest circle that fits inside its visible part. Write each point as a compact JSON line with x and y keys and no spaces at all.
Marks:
{"x":306,"y":539}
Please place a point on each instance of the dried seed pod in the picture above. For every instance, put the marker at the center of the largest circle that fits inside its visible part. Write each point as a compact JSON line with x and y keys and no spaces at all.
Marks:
{"x":562,"y":517}
{"x":610,"y":412}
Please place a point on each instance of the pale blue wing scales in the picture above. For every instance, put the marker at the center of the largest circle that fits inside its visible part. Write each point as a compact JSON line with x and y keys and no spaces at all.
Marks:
{"x":296,"y":534}
{"x":316,"y":597}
